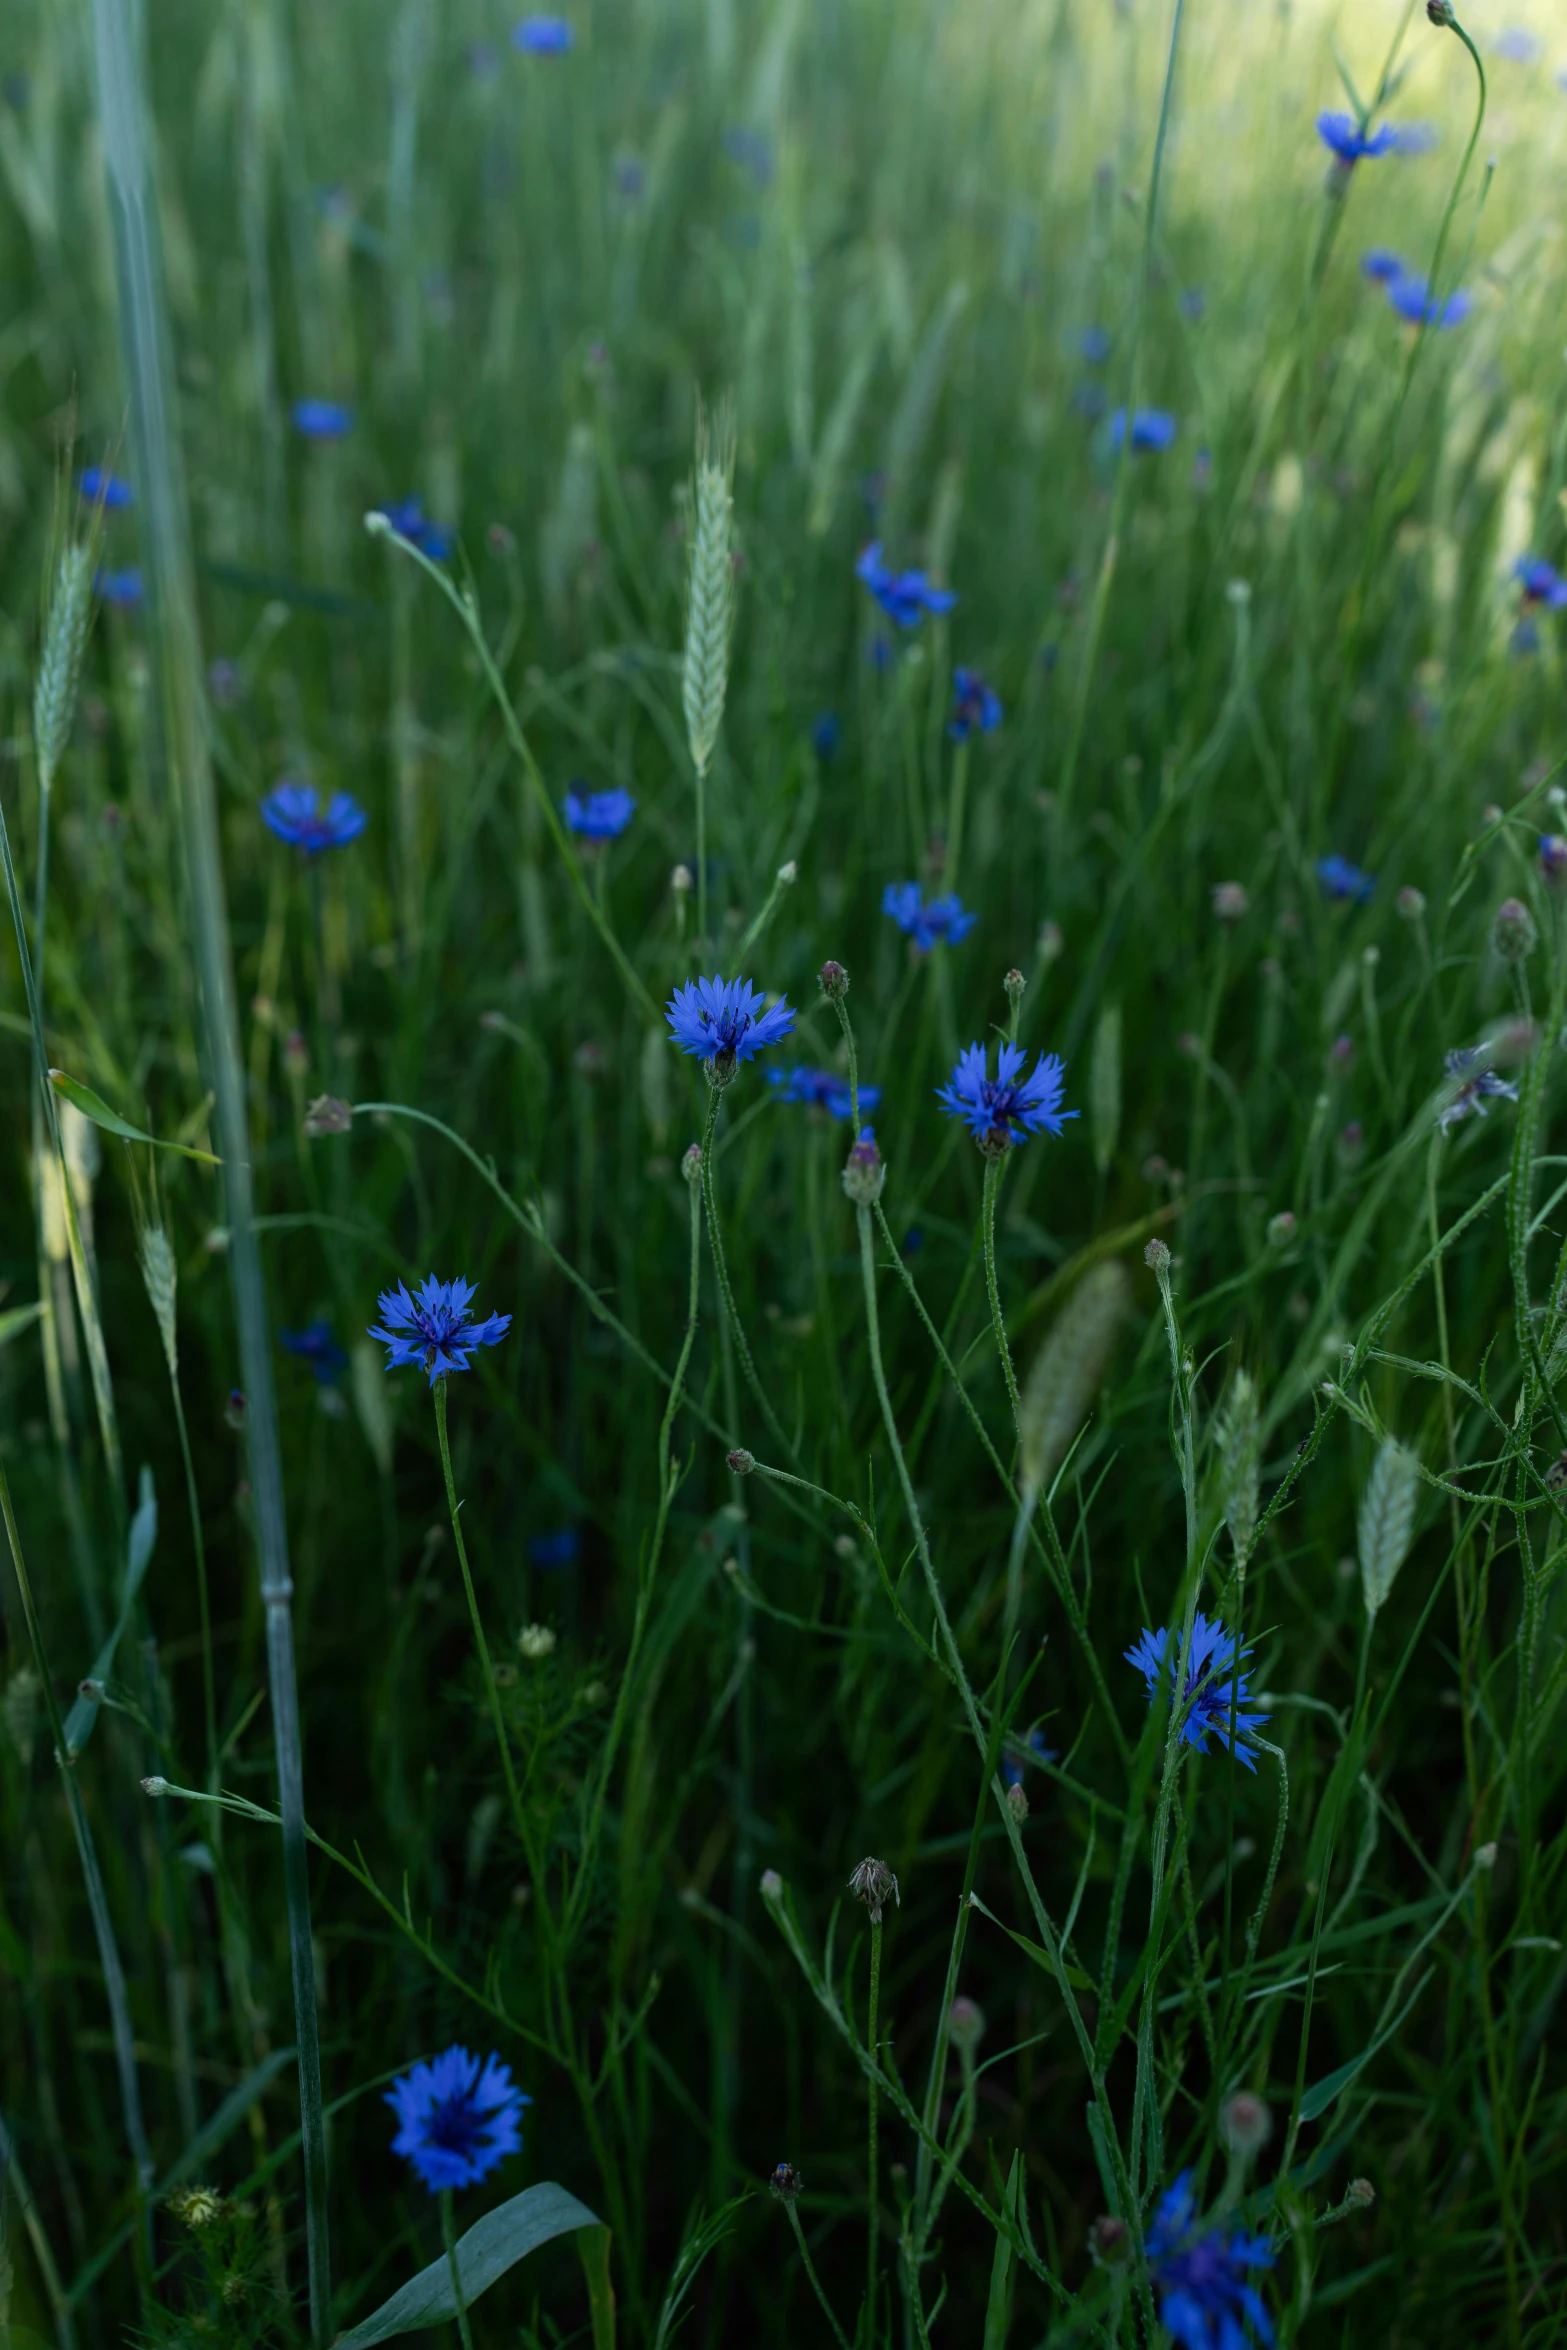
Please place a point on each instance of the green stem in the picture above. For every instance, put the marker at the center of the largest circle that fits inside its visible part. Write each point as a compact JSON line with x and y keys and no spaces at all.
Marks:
{"x":839,"y":2336}
{"x":993,"y":1169}
{"x":497,"y":1718}
{"x":203,"y":1602}
{"x":873,"y":2114}
{"x":449,"y":2236}
{"x":725,"y":1290}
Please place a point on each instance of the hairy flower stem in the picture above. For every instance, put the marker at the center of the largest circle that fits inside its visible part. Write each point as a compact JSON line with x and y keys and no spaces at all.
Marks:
{"x":449,"y":2238}
{"x":873,"y":2109}
{"x":839,"y":2336}
{"x":993,"y":1169}
{"x":497,"y":1718}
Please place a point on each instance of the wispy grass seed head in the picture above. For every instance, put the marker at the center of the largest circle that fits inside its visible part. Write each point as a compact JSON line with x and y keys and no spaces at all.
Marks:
{"x":704,"y":669}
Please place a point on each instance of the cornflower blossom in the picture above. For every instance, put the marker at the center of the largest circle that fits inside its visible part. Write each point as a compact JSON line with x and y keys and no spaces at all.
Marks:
{"x":601,"y":816}
{"x":1518,"y":46}
{"x":1412,"y":298}
{"x":905,"y":596}
{"x":561,"y":1547}
{"x":1467,"y":1068}
{"x":1199,"y":2273}
{"x":1211,"y":1682}
{"x":123,"y":589}
{"x":1008,"y":1107}
{"x":1416,"y":138}
{"x":1383,"y":266}
{"x":1152,"y":428}
{"x":821,"y":1089}
{"x":102,"y":488}
{"x":316,"y":1346}
{"x":543,"y":36}
{"x":977,"y":706}
{"x":1541,"y":582}
{"x":295,"y":814}
{"x":409,"y":520}
{"x":1553,"y":858}
{"x":725,"y":1021}
{"x":826,"y":735}
{"x":1343,"y":136}
{"x":435,"y":1327}
{"x":322,"y":420}
{"x":1094,"y":345}
{"x":1338,"y":878}
{"x":457,"y":2119}
{"x":940,"y":921}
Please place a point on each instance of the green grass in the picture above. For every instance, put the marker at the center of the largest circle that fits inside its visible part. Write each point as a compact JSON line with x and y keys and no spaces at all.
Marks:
{"x":992,"y":1440}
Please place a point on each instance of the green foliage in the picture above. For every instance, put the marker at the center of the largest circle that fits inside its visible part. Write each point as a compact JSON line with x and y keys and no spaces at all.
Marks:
{"x":795,"y":1528}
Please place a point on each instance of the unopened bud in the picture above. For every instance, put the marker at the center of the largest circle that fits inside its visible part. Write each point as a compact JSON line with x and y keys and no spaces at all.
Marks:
{"x":1411,"y":902}
{"x":1014,"y":984}
{"x":1157,"y":1258}
{"x":772,"y":1885}
{"x":1050,"y":944}
{"x":691,"y":1163}
{"x":966,"y":2022}
{"x":863,"y":1172}
{"x":1361,"y":2193}
{"x":789,"y":873}
{"x":741,"y":1461}
{"x":785,"y":2182}
{"x":1440,"y":12}
{"x":1281,"y":1228}
{"x":1485,"y":1856}
{"x":1553,"y":859}
{"x":296,"y":1054}
{"x":681,"y":882}
{"x":1017,"y":1802}
{"x":872,"y":1882}
{"x":1245,"y":2124}
{"x":1110,"y":2243}
{"x":235,"y":1408}
{"x":1513,"y":933}
{"x":155,"y":1786}
{"x":327,"y":1115}
{"x":834,"y":982}
{"x":1230,"y":902}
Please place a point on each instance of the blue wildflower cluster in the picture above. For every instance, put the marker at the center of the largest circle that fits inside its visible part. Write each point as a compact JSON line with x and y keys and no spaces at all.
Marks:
{"x":1475,"y":1081}
{"x":598,"y":816}
{"x":1210,"y":1686}
{"x":100,"y":487}
{"x":434,"y":1329}
{"x":457,"y":2119}
{"x":929,"y":922}
{"x":1200,"y":2273}
{"x":905,"y":596}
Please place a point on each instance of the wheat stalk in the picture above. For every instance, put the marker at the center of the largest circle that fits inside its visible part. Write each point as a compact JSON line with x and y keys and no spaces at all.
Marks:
{"x":704,"y":669}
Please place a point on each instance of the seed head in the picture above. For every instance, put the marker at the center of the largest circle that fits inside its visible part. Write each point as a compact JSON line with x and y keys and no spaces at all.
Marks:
{"x":710,"y":600}
{"x":1245,"y":2124}
{"x":1513,"y":933}
{"x":785,"y":2182}
{"x":871,"y":1883}
{"x":741,"y":1461}
{"x":834,"y":981}
{"x":863,"y":1172}
{"x":60,"y":668}
{"x":536,"y":1641}
{"x":198,"y":2207}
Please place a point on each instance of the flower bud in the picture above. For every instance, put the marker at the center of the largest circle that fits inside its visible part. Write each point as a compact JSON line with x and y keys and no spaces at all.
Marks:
{"x":681,"y":881}
{"x":155,"y":1786}
{"x":1157,"y":1257}
{"x":834,"y":981}
{"x":785,"y":2182}
{"x":1017,"y":1802}
{"x":1230,"y":902}
{"x":772,"y":1885}
{"x":1411,"y":902}
{"x":863,"y":1172}
{"x":1361,"y":2194}
{"x":1014,"y":983}
{"x":1245,"y":2124}
{"x":235,"y":1408}
{"x":1513,"y":933}
{"x":327,"y":1115}
{"x":1440,"y":12}
{"x":1110,"y":2243}
{"x":296,"y":1054}
{"x":1485,"y":1857}
{"x":871,"y":1882}
{"x":1281,"y":1228}
{"x":1553,"y":860}
{"x":966,"y":2022}
{"x":1050,"y":945}
{"x":691,"y":1164}
{"x":741,"y":1461}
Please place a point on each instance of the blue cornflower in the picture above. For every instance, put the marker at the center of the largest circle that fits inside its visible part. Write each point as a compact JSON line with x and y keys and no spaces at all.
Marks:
{"x":1412,"y":298}
{"x":826,"y":735}
{"x":1383,"y":266}
{"x":435,"y":1326}
{"x":1032,"y":1749}
{"x":752,"y":150}
{"x":1210,"y":1683}
{"x":725,"y":1021}
{"x":322,"y":420}
{"x":929,"y":925}
{"x":98,"y":486}
{"x":822,"y":1089}
{"x":1193,"y":304}
{"x":1094,"y":344}
{"x":1518,"y":46}
{"x":1008,"y":1107}
{"x":543,"y":36}
{"x":1467,"y":1069}
{"x":123,"y":589}
{"x":630,"y":176}
{"x":561,"y":1547}
{"x":1553,"y":858}
{"x":409,"y":520}
{"x":293,"y":812}
{"x":603,"y":815}
{"x":1152,"y":428}
{"x":1541,"y":582}
{"x":1416,"y":138}
{"x":316,"y":1346}
{"x":1338,"y":878}
{"x":457,"y":2118}
{"x":1199,"y":2274}
{"x":1349,"y":142}
{"x":976,"y":705}
{"x":905,"y":596}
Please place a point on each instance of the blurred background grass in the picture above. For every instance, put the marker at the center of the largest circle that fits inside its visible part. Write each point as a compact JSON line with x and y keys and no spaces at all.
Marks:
{"x":887,"y":233}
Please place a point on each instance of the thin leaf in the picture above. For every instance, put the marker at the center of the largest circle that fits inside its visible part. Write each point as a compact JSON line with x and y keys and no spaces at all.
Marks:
{"x":593,"y":2252}
{"x":94,"y":1107}
{"x":16,"y":1320}
{"x":492,"y":2246}
{"x":143,"y":1536}
{"x":1323,"y":2093}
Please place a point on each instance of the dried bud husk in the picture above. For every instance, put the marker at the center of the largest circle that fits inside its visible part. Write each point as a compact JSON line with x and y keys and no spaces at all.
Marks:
{"x":871,"y":1883}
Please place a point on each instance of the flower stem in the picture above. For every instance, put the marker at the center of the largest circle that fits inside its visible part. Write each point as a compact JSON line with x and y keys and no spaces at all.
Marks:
{"x":993,"y":1169}
{"x":479,"y":1641}
{"x":874,"y":2110}
{"x":449,"y":2234}
{"x":839,"y":2335}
